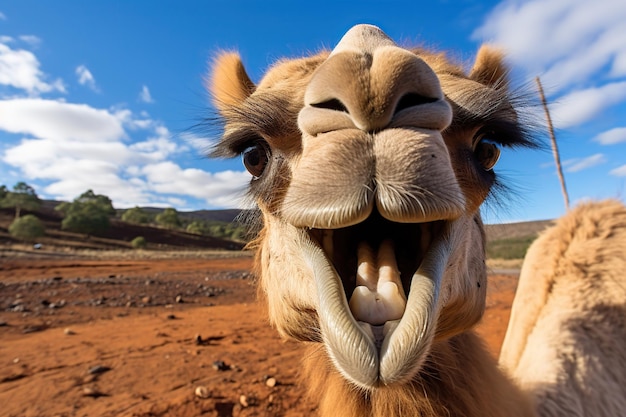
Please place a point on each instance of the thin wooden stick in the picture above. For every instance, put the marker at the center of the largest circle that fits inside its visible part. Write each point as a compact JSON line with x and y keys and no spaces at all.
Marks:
{"x":555,"y":149}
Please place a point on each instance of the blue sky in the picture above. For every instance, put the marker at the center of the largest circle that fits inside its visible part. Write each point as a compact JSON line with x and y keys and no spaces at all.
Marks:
{"x":101,"y":95}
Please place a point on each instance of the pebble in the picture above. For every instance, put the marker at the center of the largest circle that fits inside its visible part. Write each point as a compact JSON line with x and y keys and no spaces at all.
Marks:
{"x":179,"y":299}
{"x":69,"y":331}
{"x":146,"y":300}
{"x":92,"y":392}
{"x":98,"y":369}
{"x":202,"y":392}
{"x":271,"y":382}
{"x":244,"y":401}
{"x":220,"y":366}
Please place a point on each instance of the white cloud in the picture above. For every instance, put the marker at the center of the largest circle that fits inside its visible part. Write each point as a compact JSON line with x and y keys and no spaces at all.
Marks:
{"x":580,"y":164}
{"x":576,"y":46}
{"x":199,"y":143}
{"x":222,"y":189}
{"x":611,"y":137}
{"x":20,"y":69}
{"x":145,"y":96}
{"x":85,"y":77}
{"x":2,"y":16}
{"x":75,"y":147}
{"x":578,"y":37}
{"x":71,"y":147}
{"x":581,"y":106}
{"x":619,"y":172}
{"x":59,"y":121}
{"x":30,"y":39}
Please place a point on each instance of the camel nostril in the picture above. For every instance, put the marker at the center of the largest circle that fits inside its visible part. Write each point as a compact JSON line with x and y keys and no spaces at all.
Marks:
{"x":332,"y":104}
{"x":412,"y":100}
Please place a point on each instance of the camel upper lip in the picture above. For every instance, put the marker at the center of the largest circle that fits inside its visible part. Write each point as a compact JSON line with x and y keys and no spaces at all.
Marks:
{"x":410,"y":241}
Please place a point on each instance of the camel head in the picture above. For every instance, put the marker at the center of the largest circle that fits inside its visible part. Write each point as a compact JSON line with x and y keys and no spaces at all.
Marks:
{"x":369,"y":165}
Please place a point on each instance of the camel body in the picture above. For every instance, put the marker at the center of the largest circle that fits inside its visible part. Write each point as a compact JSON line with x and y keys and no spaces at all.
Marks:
{"x":566,"y":337}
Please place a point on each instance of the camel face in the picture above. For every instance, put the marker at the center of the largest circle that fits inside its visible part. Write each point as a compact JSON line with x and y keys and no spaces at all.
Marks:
{"x":370,"y":163}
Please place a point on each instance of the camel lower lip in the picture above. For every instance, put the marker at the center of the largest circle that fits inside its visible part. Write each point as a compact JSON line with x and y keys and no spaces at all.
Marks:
{"x":359,"y":351}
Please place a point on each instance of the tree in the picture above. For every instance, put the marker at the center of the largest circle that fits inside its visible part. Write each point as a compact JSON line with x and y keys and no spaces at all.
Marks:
{"x":27,"y":227}
{"x":168,"y":218}
{"x":101,"y":201}
{"x":136,"y":215}
{"x":22,"y":197}
{"x":88,"y":213}
{"x":3,"y":191}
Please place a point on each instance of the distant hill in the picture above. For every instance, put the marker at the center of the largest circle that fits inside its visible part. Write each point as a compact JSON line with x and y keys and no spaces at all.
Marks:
{"x":516,"y":230}
{"x":227,"y":216}
{"x":511,"y":240}
{"x":118,"y":236}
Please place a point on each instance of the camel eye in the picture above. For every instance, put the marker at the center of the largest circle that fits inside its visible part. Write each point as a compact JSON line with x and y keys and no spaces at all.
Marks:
{"x":255,"y":159}
{"x":487,"y":153}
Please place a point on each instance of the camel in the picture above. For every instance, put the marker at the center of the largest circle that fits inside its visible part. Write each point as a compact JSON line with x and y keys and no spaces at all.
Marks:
{"x":369,"y":164}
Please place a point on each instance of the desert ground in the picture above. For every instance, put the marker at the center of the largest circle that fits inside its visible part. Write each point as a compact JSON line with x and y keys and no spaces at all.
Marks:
{"x":179,"y":334}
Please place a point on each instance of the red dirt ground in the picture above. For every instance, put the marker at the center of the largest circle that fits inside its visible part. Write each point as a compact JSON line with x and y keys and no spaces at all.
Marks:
{"x":138,"y":337}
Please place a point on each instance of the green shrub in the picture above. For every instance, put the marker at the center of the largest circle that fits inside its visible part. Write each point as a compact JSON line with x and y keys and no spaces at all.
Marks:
{"x":138,"y":243}
{"x":27,"y":227}
{"x":511,"y":248}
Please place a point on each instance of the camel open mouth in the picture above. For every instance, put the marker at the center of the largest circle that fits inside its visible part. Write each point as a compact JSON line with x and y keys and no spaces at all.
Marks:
{"x":376,"y":261}
{"x":378,"y":288}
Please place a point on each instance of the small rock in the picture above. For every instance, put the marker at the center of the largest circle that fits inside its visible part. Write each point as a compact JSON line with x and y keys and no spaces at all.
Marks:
{"x":146,"y":300}
{"x":202,"y":392}
{"x":220,"y":366}
{"x":171,"y":317}
{"x":92,"y":392}
{"x":179,"y":299}
{"x":244,"y":401}
{"x":271,"y":382}
{"x":98,"y":369}
{"x":198,"y":339}
{"x":69,"y":331}
{"x":3,"y":323}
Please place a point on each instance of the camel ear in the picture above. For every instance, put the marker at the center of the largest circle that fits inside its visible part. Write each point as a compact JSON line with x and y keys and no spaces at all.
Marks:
{"x":490,"y":68}
{"x":229,"y":83}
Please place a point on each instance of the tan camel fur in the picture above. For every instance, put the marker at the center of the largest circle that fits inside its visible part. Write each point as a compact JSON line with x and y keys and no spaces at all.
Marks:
{"x":566,"y":341}
{"x":369,"y":165}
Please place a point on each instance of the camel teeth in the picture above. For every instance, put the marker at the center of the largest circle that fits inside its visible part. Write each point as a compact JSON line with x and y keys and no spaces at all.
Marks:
{"x":378,"y":296}
{"x":366,"y":270}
